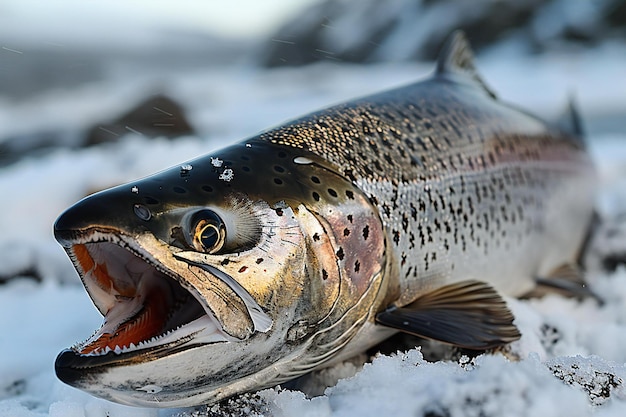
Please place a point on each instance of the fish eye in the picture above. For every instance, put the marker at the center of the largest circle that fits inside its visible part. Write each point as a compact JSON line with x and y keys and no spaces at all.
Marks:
{"x":208,"y":232}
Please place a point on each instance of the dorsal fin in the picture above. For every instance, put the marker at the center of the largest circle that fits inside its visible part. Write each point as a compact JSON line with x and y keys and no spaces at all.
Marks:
{"x":570,"y":121}
{"x":456,"y":58}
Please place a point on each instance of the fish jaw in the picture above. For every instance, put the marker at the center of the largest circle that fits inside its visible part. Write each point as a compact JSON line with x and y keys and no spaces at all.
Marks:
{"x":150,"y":320}
{"x":139,"y":283}
{"x":298,"y":278}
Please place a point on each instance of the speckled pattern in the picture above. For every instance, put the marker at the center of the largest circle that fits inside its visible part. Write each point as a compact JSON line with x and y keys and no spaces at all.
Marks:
{"x":466,"y":186}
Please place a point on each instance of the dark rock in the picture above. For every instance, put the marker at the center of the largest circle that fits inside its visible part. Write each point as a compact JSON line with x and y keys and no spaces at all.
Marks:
{"x":158,"y":115}
{"x":365,"y":31}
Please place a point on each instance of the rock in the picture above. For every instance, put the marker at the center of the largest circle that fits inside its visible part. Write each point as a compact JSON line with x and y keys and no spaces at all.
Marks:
{"x":157,"y":115}
{"x":365,"y":31}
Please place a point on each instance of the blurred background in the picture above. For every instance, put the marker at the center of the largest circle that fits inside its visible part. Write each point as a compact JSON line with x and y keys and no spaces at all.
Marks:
{"x":100,"y":92}
{"x":194,"y":58}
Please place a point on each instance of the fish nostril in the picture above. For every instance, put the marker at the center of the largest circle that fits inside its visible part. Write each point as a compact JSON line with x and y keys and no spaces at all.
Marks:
{"x":142,"y":212}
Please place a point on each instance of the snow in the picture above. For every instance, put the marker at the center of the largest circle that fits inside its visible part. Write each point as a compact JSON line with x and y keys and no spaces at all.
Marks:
{"x":571,"y":355}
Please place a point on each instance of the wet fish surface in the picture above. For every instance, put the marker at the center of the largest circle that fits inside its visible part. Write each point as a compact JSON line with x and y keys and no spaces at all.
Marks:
{"x":415,"y":210}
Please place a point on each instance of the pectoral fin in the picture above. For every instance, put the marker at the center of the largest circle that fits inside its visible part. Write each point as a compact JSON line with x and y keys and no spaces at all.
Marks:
{"x":468,"y":314}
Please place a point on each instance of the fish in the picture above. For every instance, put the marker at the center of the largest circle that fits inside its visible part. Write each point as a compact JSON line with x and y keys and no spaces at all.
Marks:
{"x":420,"y":209}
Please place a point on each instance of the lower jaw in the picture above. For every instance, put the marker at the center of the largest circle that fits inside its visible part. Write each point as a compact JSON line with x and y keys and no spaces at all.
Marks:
{"x":201,"y":331}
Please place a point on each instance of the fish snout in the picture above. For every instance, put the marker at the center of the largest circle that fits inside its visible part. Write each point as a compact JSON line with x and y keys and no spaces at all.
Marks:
{"x":113,"y":210}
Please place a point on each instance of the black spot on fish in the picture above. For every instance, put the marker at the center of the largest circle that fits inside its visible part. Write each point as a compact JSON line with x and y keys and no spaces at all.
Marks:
{"x":242,"y":269}
{"x":373,"y":200}
{"x":315,"y":179}
{"x":396,"y":237}
{"x":316,"y":196}
{"x":245,"y":168}
{"x":350,"y":218}
{"x":420,"y":229}
{"x":278,"y":168}
{"x":357,"y":266}
{"x":332,"y":192}
{"x":366,"y":232}
{"x":207,"y":188}
{"x":386,"y":210}
{"x":324,"y":275}
{"x":279,"y":212}
{"x":259,"y":260}
{"x":413,"y":212}
{"x":150,"y":200}
{"x":179,"y":190}
{"x":348,"y":173}
{"x":278,"y":181}
{"x":340,"y":254}
{"x":346,"y":232}
{"x":224,"y":262}
{"x":316,"y":237}
{"x":403,"y":261}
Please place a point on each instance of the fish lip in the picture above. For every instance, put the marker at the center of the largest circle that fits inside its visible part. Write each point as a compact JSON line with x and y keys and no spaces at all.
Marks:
{"x":72,"y":367}
{"x":71,"y":360}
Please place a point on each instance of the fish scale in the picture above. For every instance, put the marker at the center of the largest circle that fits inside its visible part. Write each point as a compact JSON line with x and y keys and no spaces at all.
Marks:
{"x":449,"y":196}
{"x":413,"y":210}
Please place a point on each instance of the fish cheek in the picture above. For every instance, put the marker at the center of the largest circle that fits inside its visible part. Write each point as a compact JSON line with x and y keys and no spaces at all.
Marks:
{"x":322,"y":275}
{"x":358,"y":243}
{"x":293,"y":269}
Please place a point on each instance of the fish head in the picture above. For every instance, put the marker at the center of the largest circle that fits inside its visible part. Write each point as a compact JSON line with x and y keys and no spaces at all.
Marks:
{"x":230,"y":273}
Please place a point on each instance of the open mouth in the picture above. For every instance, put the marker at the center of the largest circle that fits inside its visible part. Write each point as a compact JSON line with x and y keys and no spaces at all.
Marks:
{"x":143,"y":306}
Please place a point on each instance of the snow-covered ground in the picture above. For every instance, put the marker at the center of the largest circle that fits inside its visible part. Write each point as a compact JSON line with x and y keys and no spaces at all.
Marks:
{"x":572,"y":353}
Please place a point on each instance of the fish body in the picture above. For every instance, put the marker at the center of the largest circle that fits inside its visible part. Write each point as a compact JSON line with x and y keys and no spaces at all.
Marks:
{"x":414,"y":209}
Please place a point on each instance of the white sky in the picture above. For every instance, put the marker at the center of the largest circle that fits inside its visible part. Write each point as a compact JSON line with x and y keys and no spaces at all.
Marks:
{"x":235,"y":18}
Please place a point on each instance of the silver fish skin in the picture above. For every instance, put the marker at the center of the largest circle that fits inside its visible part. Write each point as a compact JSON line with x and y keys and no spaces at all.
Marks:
{"x":413,"y":210}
